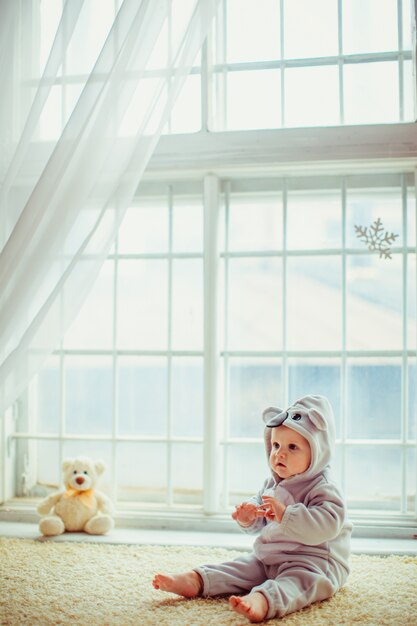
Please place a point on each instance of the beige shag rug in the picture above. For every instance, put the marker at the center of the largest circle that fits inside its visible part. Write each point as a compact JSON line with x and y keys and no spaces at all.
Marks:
{"x":104,"y":584}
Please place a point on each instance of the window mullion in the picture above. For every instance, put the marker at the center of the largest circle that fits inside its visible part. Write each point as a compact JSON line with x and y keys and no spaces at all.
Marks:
{"x":225,"y":313}
{"x":205,"y":88}
{"x":9,"y":453}
{"x":115,"y":412}
{"x":282,"y":52}
{"x":284,"y":294}
{"x":343,"y":373}
{"x":415,"y":415}
{"x":170,"y":495}
{"x":222,"y":44}
{"x":340,"y":62}
{"x":211,"y":473}
{"x":400,"y":58}
{"x":404,"y":367}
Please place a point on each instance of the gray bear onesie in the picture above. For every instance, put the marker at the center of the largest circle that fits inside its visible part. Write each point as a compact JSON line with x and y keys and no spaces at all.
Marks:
{"x":303,"y":558}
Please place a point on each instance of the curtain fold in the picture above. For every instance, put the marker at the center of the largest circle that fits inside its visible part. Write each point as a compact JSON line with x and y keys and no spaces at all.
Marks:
{"x":62,"y":200}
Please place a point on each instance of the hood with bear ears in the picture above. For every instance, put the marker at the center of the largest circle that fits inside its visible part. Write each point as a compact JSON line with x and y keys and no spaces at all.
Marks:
{"x":312,"y":417}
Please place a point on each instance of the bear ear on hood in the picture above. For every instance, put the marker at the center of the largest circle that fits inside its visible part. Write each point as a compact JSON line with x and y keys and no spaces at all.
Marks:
{"x":317,"y":418}
{"x":270,"y":412}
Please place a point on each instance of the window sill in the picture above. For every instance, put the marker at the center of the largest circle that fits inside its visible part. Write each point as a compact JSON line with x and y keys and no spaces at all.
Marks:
{"x":235,"y":541}
{"x":285,"y":150}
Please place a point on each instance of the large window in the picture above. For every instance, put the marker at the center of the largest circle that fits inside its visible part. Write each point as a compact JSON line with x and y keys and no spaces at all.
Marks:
{"x":127,"y":382}
{"x":82,"y":54}
{"x":237,"y":280}
{"x":308,"y":309}
{"x":304,"y":307}
{"x":269,"y":64}
{"x":287,"y":63}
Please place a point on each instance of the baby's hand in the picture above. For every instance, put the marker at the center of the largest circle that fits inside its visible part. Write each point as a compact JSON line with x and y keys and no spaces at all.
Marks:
{"x":274,"y":509}
{"x":245,"y":513}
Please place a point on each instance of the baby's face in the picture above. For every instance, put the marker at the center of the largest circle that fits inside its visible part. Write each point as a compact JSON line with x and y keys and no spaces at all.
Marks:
{"x":290,"y":452}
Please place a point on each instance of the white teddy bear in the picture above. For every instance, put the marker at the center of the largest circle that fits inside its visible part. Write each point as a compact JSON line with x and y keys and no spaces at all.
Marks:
{"x":78,"y":507}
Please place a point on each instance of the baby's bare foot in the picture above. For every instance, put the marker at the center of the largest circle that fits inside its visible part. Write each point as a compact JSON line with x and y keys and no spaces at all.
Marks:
{"x":254,"y":606}
{"x":188,"y":585}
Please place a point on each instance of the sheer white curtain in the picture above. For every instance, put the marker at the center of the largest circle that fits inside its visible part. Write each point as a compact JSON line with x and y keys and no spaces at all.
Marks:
{"x":62,"y":199}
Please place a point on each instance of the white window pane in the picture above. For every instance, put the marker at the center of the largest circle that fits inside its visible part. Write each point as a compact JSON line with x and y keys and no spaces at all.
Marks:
{"x":148,"y":99}
{"x":257,"y":22}
{"x":411,"y":480}
{"x":371,"y":93}
{"x":312,"y":96}
{"x":185,"y":116}
{"x":371,"y":413}
{"x":142,"y":305}
{"x":50,"y":12}
{"x":45,"y":394}
{"x":255,"y":304}
{"x":72,"y":94}
{"x":318,"y":374}
{"x":159,"y":56}
{"x":412,"y":398}
{"x":88,"y":395}
{"x":310,"y":28}
{"x":253,"y":99}
{"x":254,"y":384}
{"x":411,"y":217}
{"x":142,"y":472}
{"x":369,"y":26}
{"x":247,"y":468}
{"x":411,"y":302}
{"x":142,"y":396}
{"x":409,"y":92}
{"x":382,"y":487}
{"x":364,"y":207}
{"x":187,"y":399}
{"x":187,"y":227}
{"x":181,"y":13}
{"x":187,"y":304}
{"x":187,"y":473}
{"x":407,"y":30}
{"x":144,"y":228}
{"x":89,"y":35}
{"x":374,"y":303}
{"x":48,"y":466}
{"x":314,"y":303}
{"x":93,"y":326}
{"x":314,"y":220}
{"x":255,"y":222}
{"x":50,"y":120}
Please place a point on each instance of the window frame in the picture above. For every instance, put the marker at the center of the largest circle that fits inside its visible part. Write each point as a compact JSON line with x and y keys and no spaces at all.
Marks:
{"x":374,"y":517}
{"x":213,"y":473}
{"x":221,"y":66}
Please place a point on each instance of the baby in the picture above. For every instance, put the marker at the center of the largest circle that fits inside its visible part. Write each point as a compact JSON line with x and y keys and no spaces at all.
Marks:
{"x":302,"y":551}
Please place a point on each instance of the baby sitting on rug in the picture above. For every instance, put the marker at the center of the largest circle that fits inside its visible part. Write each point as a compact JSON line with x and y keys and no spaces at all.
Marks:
{"x":302,"y":551}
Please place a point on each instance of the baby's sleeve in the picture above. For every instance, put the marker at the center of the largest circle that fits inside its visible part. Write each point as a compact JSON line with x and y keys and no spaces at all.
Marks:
{"x":321,"y":519}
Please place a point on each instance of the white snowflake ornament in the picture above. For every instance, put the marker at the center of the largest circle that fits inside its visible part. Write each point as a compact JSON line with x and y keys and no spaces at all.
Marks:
{"x":376,"y":238}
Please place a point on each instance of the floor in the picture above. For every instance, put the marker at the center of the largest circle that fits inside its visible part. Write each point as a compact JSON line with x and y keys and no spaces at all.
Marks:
{"x":192,"y":538}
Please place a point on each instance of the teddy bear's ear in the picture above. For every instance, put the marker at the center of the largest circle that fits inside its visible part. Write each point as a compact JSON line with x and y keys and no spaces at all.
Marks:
{"x":99,"y":466}
{"x":66,"y":464}
{"x":317,"y":419}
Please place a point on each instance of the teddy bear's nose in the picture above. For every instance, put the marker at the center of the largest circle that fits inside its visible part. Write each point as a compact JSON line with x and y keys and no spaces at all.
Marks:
{"x":79,"y":480}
